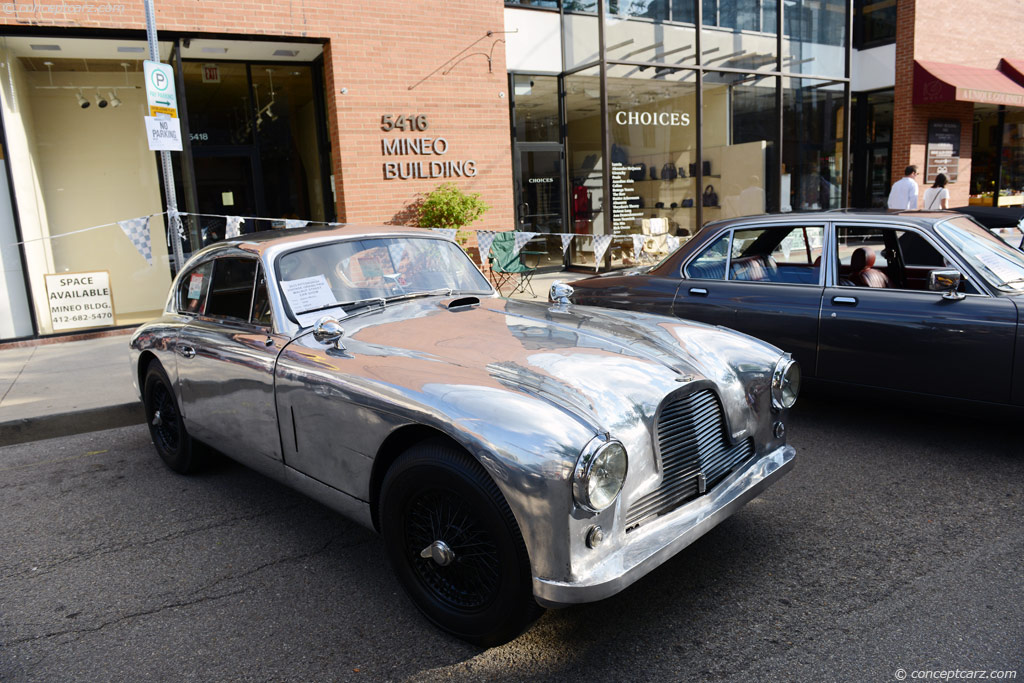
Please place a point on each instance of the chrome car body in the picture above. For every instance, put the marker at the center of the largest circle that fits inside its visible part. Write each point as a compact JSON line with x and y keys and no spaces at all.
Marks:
{"x":526,"y":389}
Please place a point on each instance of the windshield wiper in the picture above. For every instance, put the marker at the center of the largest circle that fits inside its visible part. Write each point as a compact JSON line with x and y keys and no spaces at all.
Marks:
{"x":317,"y":310}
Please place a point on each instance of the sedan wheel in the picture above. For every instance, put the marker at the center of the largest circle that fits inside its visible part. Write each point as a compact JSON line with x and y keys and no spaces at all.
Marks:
{"x":166,"y":427}
{"x":455,"y":545}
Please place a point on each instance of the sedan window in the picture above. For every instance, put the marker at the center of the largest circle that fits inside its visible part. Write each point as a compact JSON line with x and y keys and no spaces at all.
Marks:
{"x":789,"y":254}
{"x":710,"y":265}
{"x":193,"y":288}
{"x":1001,"y":265}
{"x":231,"y":289}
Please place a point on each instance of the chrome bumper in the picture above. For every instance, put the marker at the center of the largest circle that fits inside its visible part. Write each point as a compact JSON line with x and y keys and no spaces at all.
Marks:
{"x":655,"y":543}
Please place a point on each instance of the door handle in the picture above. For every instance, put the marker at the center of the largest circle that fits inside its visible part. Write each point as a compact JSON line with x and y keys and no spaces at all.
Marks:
{"x":698,"y":291}
{"x":844,"y":300}
{"x":186,"y":351}
{"x":524,"y":211}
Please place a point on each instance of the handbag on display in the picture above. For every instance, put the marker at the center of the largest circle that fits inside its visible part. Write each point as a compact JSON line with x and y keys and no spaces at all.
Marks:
{"x":654,"y":173}
{"x":707,"y":168}
{"x":710,"y":197}
{"x":687,"y":203}
{"x":668,"y":171}
{"x":639,"y":172}
{"x":693,"y":169}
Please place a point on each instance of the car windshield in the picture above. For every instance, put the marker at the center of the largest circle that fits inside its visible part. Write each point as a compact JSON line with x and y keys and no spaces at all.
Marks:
{"x":355,"y":271}
{"x":1001,"y":265}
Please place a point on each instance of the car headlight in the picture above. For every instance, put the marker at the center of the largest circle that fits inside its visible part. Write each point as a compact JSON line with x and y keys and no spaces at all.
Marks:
{"x":600,"y":474}
{"x":785,"y":383}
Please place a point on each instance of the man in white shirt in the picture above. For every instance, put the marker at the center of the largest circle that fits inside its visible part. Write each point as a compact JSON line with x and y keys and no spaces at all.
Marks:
{"x":904,"y":191}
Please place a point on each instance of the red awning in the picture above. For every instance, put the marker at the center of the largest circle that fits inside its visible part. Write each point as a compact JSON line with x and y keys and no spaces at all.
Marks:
{"x":937,"y":82}
{"x":1014,"y":68}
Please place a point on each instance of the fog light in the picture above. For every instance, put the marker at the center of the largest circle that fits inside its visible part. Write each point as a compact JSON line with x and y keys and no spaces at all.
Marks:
{"x":594,"y":536}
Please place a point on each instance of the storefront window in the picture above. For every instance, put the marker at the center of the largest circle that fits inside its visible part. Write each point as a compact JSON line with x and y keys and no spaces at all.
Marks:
{"x":812,"y":155}
{"x":584,"y":158}
{"x":985,"y":153}
{"x":254,"y":144}
{"x":653,"y":130}
{"x":740,"y":35}
{"x":874,"y":23}
{"x":1011,"y":182}
{"x":580,"y":40}
{"x":536,"y":108}
{"x":739,"y":154}
{"x":637,"y":32}
{"x":80,"y":164}
{"x":872,"y":147}
{"x":815,"y":37}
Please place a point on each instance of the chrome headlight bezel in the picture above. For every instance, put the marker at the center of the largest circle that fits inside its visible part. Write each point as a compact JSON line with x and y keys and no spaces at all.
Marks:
{"x":785,"y":383}
{"x":594,"y":459}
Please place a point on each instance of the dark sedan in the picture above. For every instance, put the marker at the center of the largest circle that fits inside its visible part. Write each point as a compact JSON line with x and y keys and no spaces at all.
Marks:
{"x":917,"y":302}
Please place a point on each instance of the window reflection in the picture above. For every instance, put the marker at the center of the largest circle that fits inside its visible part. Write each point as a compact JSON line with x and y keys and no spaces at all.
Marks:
{"x":812,"y":155}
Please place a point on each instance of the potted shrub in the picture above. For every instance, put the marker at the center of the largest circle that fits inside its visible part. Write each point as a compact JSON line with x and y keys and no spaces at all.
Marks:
{"x":446,"y":206}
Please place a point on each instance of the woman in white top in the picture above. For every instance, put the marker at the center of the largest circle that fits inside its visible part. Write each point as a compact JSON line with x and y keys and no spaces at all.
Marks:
{"x":937,"y":196}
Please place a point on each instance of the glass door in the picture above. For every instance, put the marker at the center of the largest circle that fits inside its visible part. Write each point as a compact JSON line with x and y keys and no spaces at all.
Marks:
{"x":540,"y":206}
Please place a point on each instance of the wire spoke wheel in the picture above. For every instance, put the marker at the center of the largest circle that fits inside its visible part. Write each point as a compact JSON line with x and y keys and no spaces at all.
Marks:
{"x":163,"y":416}
{"x":173,"y":443}
{"x":471,"y":580}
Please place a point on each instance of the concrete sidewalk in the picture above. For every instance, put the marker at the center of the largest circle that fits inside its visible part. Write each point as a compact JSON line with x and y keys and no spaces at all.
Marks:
{"x":53,"y":389}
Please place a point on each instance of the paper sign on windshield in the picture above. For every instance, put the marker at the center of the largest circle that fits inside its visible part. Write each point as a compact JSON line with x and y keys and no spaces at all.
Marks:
{"x":998,"y":267}
{"x":308,"y":293}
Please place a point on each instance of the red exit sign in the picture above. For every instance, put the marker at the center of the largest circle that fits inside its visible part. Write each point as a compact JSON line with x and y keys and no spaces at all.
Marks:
{"x":211,"y":73}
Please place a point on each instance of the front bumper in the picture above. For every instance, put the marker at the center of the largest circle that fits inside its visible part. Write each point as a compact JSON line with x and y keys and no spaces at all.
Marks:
{"x":650,"y":546}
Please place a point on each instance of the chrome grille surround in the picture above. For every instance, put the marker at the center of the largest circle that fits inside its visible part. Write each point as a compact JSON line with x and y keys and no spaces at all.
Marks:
{"x":694,"y":451}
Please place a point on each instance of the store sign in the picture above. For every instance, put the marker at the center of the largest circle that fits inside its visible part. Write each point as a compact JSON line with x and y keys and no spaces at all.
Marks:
{"x":160,"y":88}
{"x":211,"y":73}
{"x":163,"y":134}
{"x":943,"y":155}
{"x":419,"y":146}
{"x":79,"y":300}
{"x":651,"y":118}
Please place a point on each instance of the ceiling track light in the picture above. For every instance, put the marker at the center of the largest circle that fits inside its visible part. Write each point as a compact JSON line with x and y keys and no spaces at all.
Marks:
{"x":100,"y":101}
{"x":114,"y":101}
{"x":82,"y":102}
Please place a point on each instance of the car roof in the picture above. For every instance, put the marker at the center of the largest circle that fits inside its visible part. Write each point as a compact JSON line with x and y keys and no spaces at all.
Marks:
{"x":917,"y":218}
{"x":260,"y":242}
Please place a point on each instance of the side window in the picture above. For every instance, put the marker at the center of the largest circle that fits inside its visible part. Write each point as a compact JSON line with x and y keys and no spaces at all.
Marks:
{"x":710,"y":265}
{"x":788,"y":254}
{"x":261,"y":302}
{"x":231,"y":288}
{"x":193,"y":288}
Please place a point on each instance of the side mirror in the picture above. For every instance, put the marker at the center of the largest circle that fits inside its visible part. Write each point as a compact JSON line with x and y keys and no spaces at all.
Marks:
{"x":560,"y":292}
{"x":328,"y":330}
{"x":947,"y":282}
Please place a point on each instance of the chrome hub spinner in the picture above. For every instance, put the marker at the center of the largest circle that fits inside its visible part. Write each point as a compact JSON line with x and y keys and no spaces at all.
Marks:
{"x":440,"y":552}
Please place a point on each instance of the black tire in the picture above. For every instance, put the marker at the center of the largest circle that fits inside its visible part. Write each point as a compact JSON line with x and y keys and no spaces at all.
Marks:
{"x":177,"y":449}
{"x":435,"y":492}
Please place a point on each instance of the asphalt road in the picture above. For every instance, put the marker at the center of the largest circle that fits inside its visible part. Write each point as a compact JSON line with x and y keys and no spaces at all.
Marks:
{"x":895,"y":543}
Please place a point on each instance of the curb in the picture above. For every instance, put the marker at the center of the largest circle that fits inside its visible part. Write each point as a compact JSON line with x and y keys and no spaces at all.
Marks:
{"x":70,"y":423}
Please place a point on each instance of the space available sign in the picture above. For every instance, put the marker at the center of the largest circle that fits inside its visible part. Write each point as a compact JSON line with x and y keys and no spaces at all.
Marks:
{"x":79,"y":300}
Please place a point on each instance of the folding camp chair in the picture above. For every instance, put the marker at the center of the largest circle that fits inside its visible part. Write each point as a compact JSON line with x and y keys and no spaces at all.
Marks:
{"x":507,"y":266}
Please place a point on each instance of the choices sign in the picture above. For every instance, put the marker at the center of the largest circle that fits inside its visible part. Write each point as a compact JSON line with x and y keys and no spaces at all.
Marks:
{"x":79,"y":300}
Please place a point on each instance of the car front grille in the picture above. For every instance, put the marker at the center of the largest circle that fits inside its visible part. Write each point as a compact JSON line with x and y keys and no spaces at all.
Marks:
{"x":695,"y":455}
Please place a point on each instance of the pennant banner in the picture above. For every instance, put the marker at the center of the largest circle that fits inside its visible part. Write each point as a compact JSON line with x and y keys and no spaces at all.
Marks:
{"x":447,"y":232}
{"x":601,"y":244}
{"x":638,"y":245}
{"x":566,"y":241}
{"x":292,"y":223}
{"x":137,"y":230}
{"x":233,"y":226}
{"x":484,"y":240}
{"x":522,"y":238}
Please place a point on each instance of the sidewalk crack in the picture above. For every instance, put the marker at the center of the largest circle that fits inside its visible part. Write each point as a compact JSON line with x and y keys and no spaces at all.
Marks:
{"x":18,"y":376}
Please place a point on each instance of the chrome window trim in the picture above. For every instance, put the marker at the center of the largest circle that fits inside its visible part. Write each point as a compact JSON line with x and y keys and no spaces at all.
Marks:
{"x":252,"y":289}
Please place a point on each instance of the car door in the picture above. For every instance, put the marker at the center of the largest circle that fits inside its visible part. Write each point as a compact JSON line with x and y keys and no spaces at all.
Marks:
{"x":770,"y":286}
{"x":226,"y":356}
{"x":907,"y":338}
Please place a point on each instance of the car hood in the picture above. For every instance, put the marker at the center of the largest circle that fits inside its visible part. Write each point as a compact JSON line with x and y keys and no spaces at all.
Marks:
{"x":605,"y":367}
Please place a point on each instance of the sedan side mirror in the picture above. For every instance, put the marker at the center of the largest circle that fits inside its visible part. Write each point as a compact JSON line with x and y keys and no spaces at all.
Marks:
{"x":947,"y":282}
{"x":328,"y":330}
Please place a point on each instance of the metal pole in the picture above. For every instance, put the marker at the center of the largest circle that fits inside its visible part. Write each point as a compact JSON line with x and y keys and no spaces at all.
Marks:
{"x":174,"y":220}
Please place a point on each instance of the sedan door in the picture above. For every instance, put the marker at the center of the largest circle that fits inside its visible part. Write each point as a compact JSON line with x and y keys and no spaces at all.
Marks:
{"x":896,"y":337}
{"x":770,"y":287}
{"x":226,"y":358}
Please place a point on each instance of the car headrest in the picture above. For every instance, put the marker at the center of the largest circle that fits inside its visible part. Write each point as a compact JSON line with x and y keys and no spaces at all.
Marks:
{"x":862,"y":259}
